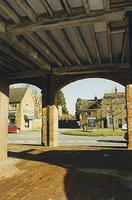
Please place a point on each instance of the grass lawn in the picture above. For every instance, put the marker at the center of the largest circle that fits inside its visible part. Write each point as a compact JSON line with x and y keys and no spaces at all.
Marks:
{"x":95,"y":133}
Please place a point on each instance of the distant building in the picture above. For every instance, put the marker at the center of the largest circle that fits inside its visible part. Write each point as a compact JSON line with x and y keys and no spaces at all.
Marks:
{"x":113,"y":104}
{"x":90,"y":113}
{"x":21,"y":107}
{"x":97,"y":113}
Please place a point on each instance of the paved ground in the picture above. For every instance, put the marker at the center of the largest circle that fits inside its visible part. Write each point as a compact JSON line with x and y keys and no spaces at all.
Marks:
{"x":66,"y":173}
{"x":34,"y":137}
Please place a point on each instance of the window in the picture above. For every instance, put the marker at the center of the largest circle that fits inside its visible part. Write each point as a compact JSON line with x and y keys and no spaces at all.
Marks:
{"x":91,"y":122}
{"x":110,"y":121}
{"x":88,"y":113}
{"x":27,"y":106}
{"x":119,"y":123}
{"x":125,"y":121}
{"x":124,"y":110}
{"x":13,"y":107}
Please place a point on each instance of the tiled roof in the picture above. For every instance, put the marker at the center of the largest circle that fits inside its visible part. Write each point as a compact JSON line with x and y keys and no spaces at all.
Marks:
{"x":16,"y":94}
{"x":90,"y":104}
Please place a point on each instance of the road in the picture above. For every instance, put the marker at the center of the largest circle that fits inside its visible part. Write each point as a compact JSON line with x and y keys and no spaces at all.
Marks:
{"x":34,"y":138}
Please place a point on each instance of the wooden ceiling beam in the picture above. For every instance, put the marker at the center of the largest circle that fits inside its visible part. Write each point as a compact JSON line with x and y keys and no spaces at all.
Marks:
{"x":22,"y":46}
{"x":7,"y":65}
{"x":2,"y":26}
{"x":66,"y":6}
{"x":116,"y":4}
{"x":83,"y":69}
{"x":106,"y":4}
{"x":86,"y":6}
{"x":4,"y":5}
{"x":42,"y":47}
{"x":10,"y":62}
{"x":95,"y":42}
{"x":25,"y":74}
{"x":82,"y":44}
{"x":54,"y":45}
{"x":27,"y":9}
{"x":124,"y":47}
{"x":67,"y":44}
{"x":48,"y":8}
{"x":109,"y":44}
{"x":67,"y":21}
{"x":15,"y":55}
{"x":94,"y":68}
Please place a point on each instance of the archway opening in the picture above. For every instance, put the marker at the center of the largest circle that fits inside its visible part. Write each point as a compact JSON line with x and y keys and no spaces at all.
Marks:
{"x":25,"y":114}
{"x":96,"y":106}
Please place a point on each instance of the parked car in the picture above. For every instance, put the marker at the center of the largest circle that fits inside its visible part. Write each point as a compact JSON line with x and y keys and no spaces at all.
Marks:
{"x":13,"y":128}
{"x":124,"y":127}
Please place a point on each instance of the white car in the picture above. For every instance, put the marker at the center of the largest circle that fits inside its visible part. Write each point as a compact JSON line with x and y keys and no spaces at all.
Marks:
{"x":124,"y":127}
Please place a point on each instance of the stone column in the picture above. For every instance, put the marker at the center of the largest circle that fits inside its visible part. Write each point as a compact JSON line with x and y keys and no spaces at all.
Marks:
{"x":129,"y":113}
{"x":4,"y":103}
{"x":50,"y":112}
{"x":44,"y":113}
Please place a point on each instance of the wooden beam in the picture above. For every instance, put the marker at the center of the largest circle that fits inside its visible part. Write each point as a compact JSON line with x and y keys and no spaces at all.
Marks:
{"x":42,"y":47}
{"x":3,"y":69}
{"x":106,"y":4}
{"x":86,"y":6}
{"x":124,"y":46}
{"x":86,"y":69}
{"x":121,"y":4}
{"x":25,"y":74}
{"x":66,"y":6}
{"x":95,"y":42}
{"x":15,"y":55}
{"x":7,"y":65}
{"x":27,"y":9}
{"x":82,"y":44}
{"x":67,"y":21}
{"x":118,"y":26}
{"x":22,"y":46}
{"x":4,"y":59}
{"x":67,"y":44}
{"x":10,"y":12}
{"x":54,"y":46}
{"x":48,"y":8}
{"x":2,"y":26}
{"x":109,"y":43}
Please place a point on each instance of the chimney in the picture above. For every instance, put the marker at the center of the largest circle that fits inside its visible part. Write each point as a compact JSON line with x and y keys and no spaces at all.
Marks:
{"x":95,"y":98}
{"x":116,"y":91}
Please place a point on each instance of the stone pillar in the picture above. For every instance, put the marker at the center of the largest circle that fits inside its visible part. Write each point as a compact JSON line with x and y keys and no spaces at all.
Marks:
{"x":129,"y":113}
{"x":4,"y":103}
{"x":50,"y":112}
{"x":44,"y":113}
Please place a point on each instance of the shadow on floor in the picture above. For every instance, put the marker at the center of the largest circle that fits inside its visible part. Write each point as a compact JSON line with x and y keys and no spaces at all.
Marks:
{"x":91,"y":174}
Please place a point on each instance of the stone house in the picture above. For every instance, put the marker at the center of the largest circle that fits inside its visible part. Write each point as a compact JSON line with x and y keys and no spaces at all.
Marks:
{"x":21,"y":107}
{"x":113,"y":110}
{"x":103,"y":113}
{"x":90,"y":114}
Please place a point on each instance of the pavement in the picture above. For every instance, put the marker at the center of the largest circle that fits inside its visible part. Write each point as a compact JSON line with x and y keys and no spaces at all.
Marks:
{"x":66,"y":173}
{"x":34,"y":138}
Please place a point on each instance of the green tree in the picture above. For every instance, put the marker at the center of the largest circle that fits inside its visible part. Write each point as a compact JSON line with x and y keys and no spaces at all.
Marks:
{"x":77,"y":107}
{"x":62,"y":102}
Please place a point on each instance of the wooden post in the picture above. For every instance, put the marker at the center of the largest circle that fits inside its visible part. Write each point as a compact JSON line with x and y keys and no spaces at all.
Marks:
{"x":49,"y":112}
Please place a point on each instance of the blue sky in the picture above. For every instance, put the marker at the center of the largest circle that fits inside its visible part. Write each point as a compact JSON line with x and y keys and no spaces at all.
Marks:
{"x":88,"y":89}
